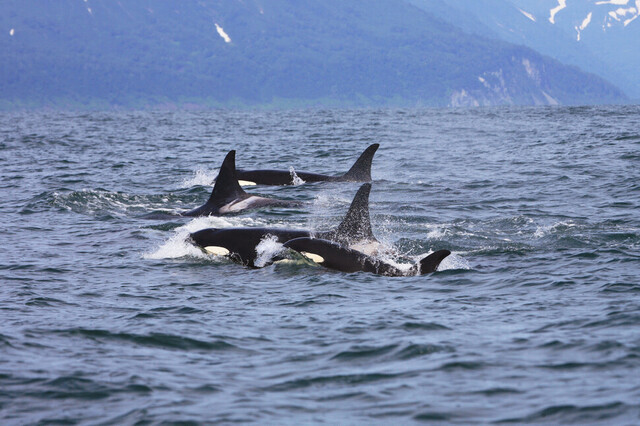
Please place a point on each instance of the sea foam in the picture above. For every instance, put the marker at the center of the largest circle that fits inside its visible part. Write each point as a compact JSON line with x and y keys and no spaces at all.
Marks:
{"x":178,"y":246}
{"x":201,"y":177}
{"x":266,"y":250}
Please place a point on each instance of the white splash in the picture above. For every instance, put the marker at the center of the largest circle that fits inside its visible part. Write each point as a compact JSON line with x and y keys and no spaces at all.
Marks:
{"x":223,"y":34}
{"x":202,"y":177}
{"x":323,"y":208}
{"x":177,"y":245}
{"x":406,"y":268}
{"x":295,"y":179}
{"x":453,"y":261}
{"x":266,"y":249}
{"x":561,"y":5}
{"x":12,"y":32}
{"x":541,"y":231}
{"x":436,"y":232}
{"x":371,"y":248}
{"x":389,"y":256}
{"x":528,"y":15}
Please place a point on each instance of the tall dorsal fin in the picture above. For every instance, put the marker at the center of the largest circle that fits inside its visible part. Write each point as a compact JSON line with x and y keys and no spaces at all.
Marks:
{"x":361,"y":169}
{"x":227,"y":187}
{"x":356,"y":225}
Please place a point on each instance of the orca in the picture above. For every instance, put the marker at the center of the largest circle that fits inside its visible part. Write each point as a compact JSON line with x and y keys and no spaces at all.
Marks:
{"x":359,"y":172}
{"x":240,"y":243}
{"x":228,"y":196}
{"x":336,"y":256}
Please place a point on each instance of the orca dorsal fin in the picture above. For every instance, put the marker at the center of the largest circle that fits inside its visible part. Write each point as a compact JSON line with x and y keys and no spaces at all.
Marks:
{"x":226,"y":187}
{"x":430,"y":263}
{"x":361,"y":169}
{"x":356,"y":225}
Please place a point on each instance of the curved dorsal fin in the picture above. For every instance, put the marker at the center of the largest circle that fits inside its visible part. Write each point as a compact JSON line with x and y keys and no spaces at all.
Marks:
{"x":361,"y":169}
{"x":431,"y":262}
{"x":227,"y":187}
{"x":356,"y":225}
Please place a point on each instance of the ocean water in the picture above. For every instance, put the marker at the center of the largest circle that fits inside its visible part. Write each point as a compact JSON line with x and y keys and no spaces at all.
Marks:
{"x":107,"y":316}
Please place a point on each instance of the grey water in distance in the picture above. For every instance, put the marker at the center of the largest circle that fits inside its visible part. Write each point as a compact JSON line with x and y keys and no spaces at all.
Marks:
{"x":110,"y":317}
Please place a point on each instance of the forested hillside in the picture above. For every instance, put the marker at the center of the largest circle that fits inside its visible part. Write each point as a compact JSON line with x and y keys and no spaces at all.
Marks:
{"x":103,"y":53}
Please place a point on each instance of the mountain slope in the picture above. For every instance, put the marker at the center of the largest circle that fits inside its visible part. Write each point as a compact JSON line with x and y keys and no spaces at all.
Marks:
{"x":226,"y":52}
{"x":599,"y":36}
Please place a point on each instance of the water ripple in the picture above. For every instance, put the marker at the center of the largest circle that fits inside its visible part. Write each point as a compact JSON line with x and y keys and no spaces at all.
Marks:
{"x":109,"y":314}
{"x":160,"y":340}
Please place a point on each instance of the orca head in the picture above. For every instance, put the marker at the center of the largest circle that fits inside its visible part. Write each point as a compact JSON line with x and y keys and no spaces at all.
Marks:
{"x":336,"y":256}
{"x":205,"y":237}
{"x":316,"y":250}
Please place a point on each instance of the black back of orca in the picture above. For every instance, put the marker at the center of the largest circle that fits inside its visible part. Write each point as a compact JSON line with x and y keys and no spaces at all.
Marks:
{"x":241,"y":242}
{"x":335,"y":256}
{"x":359,"y":172}
{"x":227,"y":192}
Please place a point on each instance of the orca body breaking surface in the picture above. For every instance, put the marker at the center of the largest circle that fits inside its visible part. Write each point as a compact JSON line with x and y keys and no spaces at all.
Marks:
{"x":335,"y":256}
{"x":359,"y":172}
{"x":228,"y":196}
{"x":241,"y":243}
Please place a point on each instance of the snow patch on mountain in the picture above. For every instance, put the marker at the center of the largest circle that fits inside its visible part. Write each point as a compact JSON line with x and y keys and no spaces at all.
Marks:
{"x":498,"y":87}
{"x":561,"y":5}
{"x":621,"y":15}
{"x":223,"y":34}
{"x":585,"y":23}
{"x":528,"y":15}
{"x":615,"y":2}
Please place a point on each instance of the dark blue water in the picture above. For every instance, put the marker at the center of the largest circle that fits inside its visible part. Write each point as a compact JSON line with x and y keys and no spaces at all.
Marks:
{"x":109,"y":317}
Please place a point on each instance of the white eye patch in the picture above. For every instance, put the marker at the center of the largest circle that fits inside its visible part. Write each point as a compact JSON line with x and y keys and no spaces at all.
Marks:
{"x":217,"y":250}
{"x":315,"y":257}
